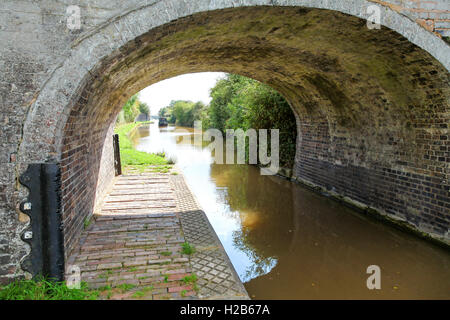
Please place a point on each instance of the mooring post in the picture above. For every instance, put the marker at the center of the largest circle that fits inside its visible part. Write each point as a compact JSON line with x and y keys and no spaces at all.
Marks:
{"x":117,"y":162}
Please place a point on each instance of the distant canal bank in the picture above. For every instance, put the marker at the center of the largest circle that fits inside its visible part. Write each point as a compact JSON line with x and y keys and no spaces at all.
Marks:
{"x":287,"y":242}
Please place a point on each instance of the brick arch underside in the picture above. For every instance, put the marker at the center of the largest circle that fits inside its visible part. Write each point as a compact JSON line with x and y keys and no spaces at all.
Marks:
{"x":372,"y":108}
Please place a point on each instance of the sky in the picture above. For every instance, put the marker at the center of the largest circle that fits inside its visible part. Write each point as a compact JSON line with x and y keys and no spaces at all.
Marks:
{"x":191,"y":86}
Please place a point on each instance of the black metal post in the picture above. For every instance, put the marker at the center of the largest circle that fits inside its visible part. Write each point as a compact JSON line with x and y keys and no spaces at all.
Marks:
{"x":45,"y":233}
{"x":117,"y":162}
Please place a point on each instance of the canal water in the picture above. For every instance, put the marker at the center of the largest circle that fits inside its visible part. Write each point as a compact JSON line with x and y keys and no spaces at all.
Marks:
{"x":287,"y":242}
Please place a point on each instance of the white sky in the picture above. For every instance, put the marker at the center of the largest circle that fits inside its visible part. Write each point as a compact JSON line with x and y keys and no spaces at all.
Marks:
{"x":191,"y":86}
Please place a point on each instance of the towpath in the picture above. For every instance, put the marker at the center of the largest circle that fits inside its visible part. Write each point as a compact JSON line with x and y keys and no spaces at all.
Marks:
{"x":134,"y":247}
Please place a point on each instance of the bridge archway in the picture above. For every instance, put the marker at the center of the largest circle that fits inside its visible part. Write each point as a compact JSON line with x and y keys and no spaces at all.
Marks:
{"x":372,"y":107}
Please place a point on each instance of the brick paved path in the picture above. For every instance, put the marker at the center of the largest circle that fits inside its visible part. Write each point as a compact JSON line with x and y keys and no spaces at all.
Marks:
{"x":133,"y":250}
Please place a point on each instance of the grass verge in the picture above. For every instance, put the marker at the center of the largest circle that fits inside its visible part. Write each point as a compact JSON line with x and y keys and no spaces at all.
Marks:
{"x":132,"y":157}
{"x":42,"y":289}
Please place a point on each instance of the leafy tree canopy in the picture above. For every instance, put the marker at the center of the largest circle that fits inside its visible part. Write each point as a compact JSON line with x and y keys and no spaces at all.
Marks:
{"x":240,"y":102}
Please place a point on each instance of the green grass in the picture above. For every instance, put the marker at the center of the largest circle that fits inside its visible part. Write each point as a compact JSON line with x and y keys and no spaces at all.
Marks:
{"x":126,"y":287}
{"x":108,"y":290}
{"x":162,"y":169}
{"x":165,"y":253}
{"x":105,"y":274}
{"x":130,"y":156}
{"x":87,"y":222}
{"x":190,"y":279}
{"x":105,"y":288}
{"x":141,"y":293}
{"x":187,"y":248}
{"x":138,"y":294}
{"x":42,"y":289}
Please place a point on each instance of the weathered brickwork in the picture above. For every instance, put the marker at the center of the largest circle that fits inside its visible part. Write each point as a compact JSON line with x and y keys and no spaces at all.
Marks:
{"x":84,"y":177}
{"x":107,"y":170}
{"x":432,"y":15}
{"x":405,"y":176}
{"x":60,"y":90}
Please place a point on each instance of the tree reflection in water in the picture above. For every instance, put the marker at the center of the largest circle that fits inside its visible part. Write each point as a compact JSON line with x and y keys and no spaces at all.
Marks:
{"x":262,"y":205}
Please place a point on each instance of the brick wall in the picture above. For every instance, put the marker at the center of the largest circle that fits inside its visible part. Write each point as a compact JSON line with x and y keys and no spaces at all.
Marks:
{"x":107,"y":169}
{"x":399,"y":165}
{"x":432,"y":15}
{"x":87,"y":169}
{"x":420,"y":199}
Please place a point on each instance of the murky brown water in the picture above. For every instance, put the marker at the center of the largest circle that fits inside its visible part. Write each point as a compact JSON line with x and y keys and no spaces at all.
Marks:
{"x":287,"y":242}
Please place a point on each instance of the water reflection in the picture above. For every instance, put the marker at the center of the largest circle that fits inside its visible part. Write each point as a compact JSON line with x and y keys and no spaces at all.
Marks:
{"x":286,"y":242}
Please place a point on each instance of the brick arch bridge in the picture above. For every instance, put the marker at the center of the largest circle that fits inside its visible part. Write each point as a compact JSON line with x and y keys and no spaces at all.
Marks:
{"x":372,"y":105}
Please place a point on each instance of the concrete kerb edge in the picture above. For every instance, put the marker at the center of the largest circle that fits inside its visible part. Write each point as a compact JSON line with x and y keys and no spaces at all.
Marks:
{"x":214,"y":234}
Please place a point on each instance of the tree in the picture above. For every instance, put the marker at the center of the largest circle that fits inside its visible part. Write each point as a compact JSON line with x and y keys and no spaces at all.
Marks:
{"x":162,"y":112}
{"x":183,"y":113}
{"x":167,"y":112}
{"x":144,"y":108}
{"x":242,"y":103}
{"x":131,"y":108}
